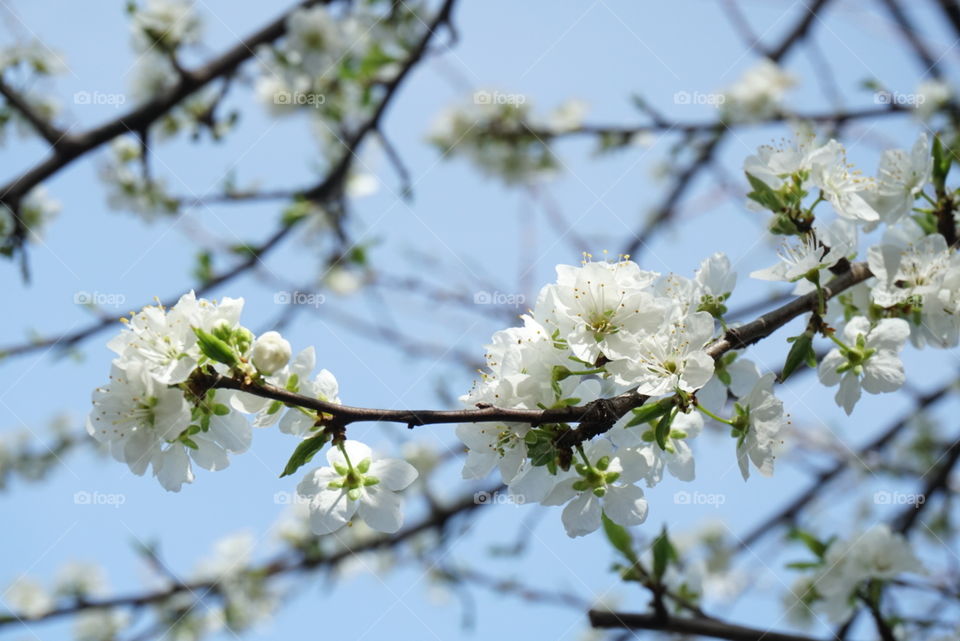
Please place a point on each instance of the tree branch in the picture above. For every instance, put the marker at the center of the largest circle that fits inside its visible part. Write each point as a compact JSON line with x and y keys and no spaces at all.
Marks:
{"x":703,"y":627}
{"x":594,"y":418}
{"x":50,"y":133}
{"x":437,"y":520}
{"x":142,"y":117}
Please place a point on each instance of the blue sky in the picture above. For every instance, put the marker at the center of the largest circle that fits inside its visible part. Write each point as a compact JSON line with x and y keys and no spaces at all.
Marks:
{"x":601,"y":52}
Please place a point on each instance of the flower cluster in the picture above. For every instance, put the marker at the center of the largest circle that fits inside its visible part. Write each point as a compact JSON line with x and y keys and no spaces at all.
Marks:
{"x":306,"y":71}
{"x":36,"y":210}
{"x":502,"y":136}
{"x":600,"y":330}
{"x":758,"y":93}
{"x":914,"y":289}
{"x":163,"y":411}
{"x":603,"y":331}
{"x":158,"y":30}
{"x":149,"y":414}
{"x":129,"y":189}
{"x":845,"y":566}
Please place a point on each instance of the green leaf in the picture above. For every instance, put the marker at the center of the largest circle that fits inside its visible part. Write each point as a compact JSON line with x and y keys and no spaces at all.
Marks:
{"x":650,"y":411}
{"x":203,"y":271}
{"x":245,"y":249}
{"x":764,"y":194}
{"x":619,"y":538}
{"x":941,"y":165}
{"x":662,"y":432}
{"x":818,"y":547}
{"x":663,"y":554}
{"x":304,"y":453}
{"x":296,"y":211}
{"x":215,"y":348}
{"x":800,"y":353}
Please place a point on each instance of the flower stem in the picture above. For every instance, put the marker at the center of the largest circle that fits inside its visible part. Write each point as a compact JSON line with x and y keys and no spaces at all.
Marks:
{"x":346,"y":457}
{"x":583,"y":455}
{"x":714,"y":416}
{"x":832,"y":336}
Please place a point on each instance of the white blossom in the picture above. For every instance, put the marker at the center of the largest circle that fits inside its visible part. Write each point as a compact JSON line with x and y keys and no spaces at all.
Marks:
{"x":356,"y":483}
{"x":599,"y":308}
{"x":901,"y":178}
{"x":670,"y":359}
{"x":603,"y":487}
{"x":28,"y":599}
{"x":271,"y":351}
{"x":877,"y":553}
{"x":165,"y":24}
{"x":869,"y":359}
{"x":759,"y":423}
{"x":840,"y":184}
{"x":758,"y":93}
{"x":813,"y":252}
{"x":100,"y":625}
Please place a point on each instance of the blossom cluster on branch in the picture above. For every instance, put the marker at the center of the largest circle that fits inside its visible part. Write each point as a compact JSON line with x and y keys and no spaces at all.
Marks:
{"x":603,"y":330}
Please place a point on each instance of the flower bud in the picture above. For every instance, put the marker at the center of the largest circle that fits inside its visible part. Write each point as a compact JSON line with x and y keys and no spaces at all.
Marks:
{"x":270,"y":352}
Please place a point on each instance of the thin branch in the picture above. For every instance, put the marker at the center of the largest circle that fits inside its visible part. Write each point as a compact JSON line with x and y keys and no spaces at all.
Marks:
{"x":791,"y":510}
{"x":665,"y":211}
{"x":437,"y":520}
{"x":934,"y":485}
{"x":327,"y":189}
{"x":909,"y":32}
{"x":142,"y":117}
{"x":594,"y":418}
{"x":47,"y":130}
{"x":704,"y":627}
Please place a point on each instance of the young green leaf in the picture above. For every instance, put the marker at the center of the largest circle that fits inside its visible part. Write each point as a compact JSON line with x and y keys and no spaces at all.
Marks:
{"x":663,"y":554}
{"x":304,"y":453}
{"x":215,"y":348}
{"x":620,"y":539}
{"x":800,"y":353}
{"x":662,"y":432}
{"x":650,"y":411}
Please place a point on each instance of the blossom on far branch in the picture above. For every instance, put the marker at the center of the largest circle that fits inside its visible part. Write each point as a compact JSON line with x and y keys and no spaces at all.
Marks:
{"x":845,"y":566}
